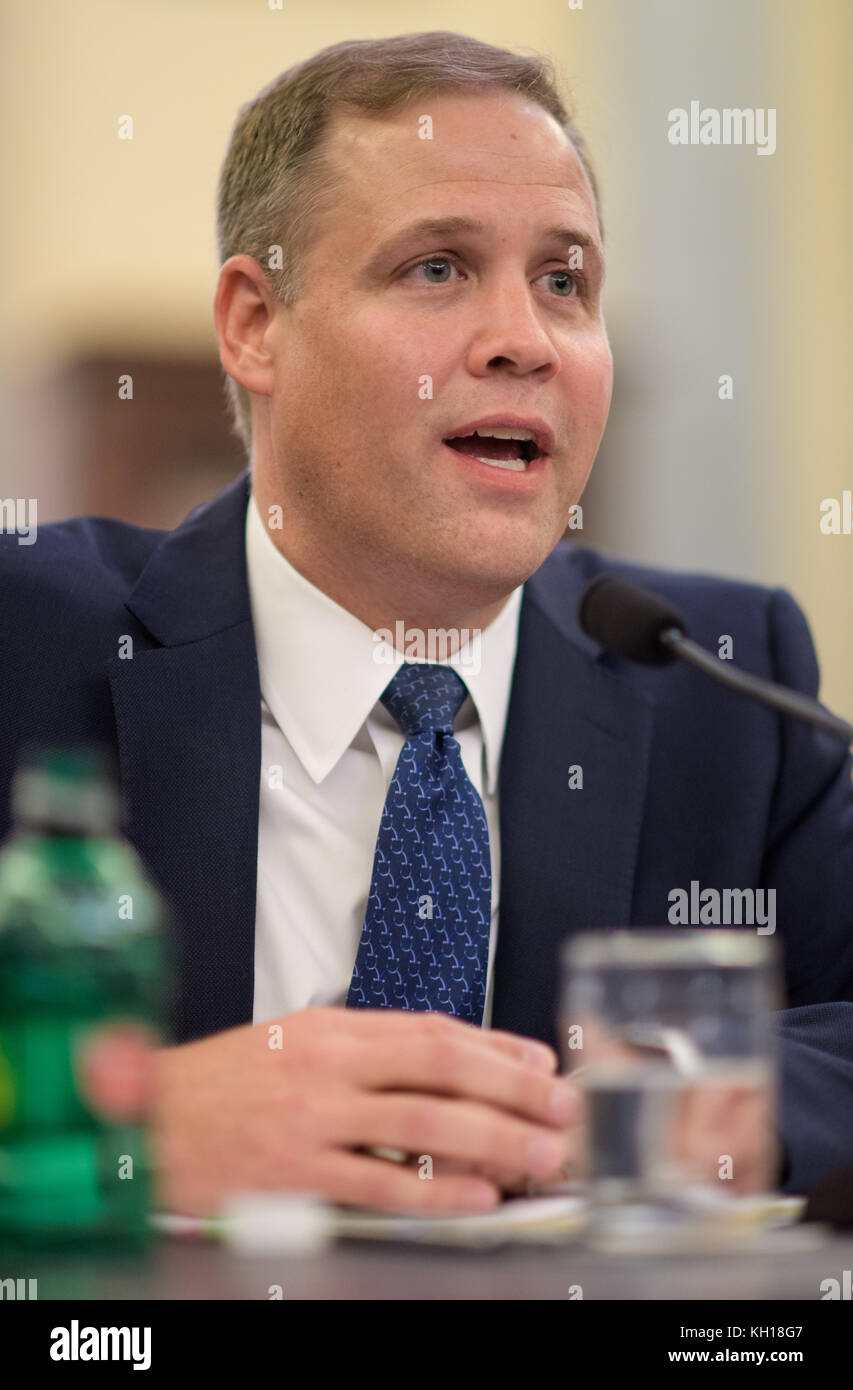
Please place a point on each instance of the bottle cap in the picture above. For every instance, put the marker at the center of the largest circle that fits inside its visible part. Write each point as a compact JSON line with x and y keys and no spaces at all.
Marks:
{"x":71,"y":789}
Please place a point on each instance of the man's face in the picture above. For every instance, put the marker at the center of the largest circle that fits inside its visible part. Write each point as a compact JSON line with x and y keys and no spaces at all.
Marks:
{"x":405,"y":337}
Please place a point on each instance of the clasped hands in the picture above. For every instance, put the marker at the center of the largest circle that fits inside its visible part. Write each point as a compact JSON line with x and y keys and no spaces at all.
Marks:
{"x":303,"y":1104}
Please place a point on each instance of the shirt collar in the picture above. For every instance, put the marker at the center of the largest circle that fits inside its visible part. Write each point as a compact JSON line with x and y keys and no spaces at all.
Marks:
{"x":322,"y":670}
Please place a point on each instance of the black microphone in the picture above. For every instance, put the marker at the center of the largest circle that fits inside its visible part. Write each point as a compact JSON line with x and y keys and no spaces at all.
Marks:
{"x":642,"y":626}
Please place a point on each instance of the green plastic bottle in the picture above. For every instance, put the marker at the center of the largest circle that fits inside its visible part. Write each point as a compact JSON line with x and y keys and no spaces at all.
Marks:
{"x":83,"y":997}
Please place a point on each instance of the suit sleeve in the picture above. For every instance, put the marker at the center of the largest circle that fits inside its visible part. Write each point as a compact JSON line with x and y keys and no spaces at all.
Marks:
{"x":809,"y":862}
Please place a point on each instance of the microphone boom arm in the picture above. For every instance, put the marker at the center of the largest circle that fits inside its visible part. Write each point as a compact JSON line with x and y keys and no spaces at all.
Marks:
{"x":788,"y":701}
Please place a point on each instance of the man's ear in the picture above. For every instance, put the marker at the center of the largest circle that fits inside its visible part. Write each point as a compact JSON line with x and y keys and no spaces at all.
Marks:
{"x":243,"y":310}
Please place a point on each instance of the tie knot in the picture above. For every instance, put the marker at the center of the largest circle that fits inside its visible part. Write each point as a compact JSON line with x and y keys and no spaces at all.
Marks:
{"x":424,"y":698}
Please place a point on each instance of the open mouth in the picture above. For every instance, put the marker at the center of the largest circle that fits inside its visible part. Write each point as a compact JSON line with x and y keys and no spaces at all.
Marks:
{"x":513,"y":449}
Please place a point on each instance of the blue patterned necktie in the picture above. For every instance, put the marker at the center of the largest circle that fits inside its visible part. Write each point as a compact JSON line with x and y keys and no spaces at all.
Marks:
{"x":425,"y":940}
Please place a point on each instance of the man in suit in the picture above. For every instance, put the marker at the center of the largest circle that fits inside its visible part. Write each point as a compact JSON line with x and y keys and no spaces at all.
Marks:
{"x":422,"y":372}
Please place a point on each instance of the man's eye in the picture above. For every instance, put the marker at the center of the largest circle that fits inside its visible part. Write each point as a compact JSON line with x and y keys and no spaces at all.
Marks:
{"x":436,"y":264}
{"x":563,"y":282}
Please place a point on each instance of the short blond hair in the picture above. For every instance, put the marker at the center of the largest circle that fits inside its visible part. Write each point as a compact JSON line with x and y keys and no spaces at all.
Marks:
{"x":273,"y":179}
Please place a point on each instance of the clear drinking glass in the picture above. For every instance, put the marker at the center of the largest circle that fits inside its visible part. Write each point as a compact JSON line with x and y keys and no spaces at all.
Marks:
{"x":668,"y":1033}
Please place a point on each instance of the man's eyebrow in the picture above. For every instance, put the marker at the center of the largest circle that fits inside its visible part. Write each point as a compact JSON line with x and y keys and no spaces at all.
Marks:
{"x":438,"y":228}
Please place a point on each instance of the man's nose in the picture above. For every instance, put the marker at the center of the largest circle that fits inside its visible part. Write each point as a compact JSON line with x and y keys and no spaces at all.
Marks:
{"x":510,"y":333}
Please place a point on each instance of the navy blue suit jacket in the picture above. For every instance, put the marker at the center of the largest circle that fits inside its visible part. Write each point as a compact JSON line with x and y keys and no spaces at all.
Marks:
{"x":682,"y":779}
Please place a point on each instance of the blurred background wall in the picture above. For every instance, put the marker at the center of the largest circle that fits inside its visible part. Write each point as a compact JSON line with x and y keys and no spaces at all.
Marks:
{"x":720,"y":262}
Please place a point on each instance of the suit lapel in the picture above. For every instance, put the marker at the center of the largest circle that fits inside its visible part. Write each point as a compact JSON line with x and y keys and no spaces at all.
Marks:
{"x":567,"y":856}
{"x":188,"y":723}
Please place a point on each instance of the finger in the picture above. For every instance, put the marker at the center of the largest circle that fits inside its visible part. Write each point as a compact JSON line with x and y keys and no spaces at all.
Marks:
{"x":445,"y":1064}
{"x":528,"y":1051}
{"x":505,"y":1179}
{"x":355,"y":1180}
{"x":508,"y":1180}
{"x":434,"y":1127}
{"x":398,"y":1024}
{"x":511,"y":1180}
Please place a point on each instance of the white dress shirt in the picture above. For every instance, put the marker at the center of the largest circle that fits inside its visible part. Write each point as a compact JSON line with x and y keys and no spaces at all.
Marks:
{"x":328,"y":752}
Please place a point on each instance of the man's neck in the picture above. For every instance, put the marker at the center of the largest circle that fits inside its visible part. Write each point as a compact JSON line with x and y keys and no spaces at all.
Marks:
{"x":403,"y":617}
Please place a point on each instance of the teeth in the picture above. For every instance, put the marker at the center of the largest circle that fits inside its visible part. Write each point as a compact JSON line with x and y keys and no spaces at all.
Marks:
{"x":515,"y":465}
{"x":504,"y":434}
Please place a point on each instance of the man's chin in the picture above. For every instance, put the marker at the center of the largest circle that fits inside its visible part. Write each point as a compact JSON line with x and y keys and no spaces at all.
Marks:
{"x":510,"y":554}
{"x":489,"y":571}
